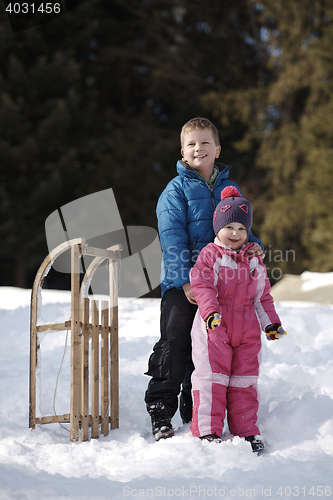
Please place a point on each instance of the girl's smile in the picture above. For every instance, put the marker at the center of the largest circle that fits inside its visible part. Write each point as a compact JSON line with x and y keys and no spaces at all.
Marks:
{"x":234,"y":235}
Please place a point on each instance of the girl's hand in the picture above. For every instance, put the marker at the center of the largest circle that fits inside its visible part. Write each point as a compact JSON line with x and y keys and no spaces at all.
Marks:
{"x":213,"y":320}
{"x":256,"y":250}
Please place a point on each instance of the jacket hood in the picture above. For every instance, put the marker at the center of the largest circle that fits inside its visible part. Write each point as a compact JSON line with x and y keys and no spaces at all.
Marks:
{"x":184,"y":170}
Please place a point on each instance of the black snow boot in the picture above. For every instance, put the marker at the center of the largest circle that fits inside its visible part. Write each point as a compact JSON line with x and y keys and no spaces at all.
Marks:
{"x":212,"y":438}
{"x":256,"y":443}
{"x":160,"y":421}
{"x":185,"y":406}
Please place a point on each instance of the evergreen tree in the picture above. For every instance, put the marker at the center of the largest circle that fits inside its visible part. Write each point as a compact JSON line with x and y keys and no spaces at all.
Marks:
{"x":289,"y":131}
{"x":296,"y":163}
{"x":42,"y":136}
{"x":96,"y":98}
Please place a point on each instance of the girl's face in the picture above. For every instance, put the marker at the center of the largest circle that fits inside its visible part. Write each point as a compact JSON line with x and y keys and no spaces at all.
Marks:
{"x":234,"y":235}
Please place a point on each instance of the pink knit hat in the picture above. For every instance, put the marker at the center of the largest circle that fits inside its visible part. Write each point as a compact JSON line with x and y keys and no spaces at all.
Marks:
{"x":232,"y":208}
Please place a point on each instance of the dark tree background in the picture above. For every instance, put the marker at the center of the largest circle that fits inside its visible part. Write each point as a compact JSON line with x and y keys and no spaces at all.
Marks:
{"x":96,"y":98}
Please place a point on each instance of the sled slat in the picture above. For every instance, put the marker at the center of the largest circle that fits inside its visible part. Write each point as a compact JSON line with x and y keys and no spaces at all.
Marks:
{"x":54,"y":419}
{"x":105,"y":368}
{"x":95,"y":370}
{"x":54,"y":327}
{"x":103,"y":254}
{"x":85,"y":371}
{"x":75,"y":343}
{"x":114,"y":349}
{"x":64,"y":326}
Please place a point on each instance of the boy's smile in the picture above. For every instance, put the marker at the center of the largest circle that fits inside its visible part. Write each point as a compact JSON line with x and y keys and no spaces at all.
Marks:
{"x":200,"y":151}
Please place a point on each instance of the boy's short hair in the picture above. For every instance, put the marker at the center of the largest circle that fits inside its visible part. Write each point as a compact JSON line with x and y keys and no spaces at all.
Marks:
{"x":197,"y":124}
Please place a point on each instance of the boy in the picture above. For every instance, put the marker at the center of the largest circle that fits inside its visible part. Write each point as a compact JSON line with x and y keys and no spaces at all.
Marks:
{"x":184,"y":211}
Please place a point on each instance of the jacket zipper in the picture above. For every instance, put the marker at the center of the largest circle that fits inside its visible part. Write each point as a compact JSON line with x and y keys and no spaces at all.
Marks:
{"x":212,"y":196}
{"x":210,"y":189}
{"x":193,"y":246}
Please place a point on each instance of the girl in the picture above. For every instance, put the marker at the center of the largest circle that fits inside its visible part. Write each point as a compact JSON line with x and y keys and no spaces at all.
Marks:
{"x":232,"y":291}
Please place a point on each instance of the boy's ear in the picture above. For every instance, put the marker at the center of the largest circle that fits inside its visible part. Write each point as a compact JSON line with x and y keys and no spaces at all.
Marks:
{"x":218,"y":151}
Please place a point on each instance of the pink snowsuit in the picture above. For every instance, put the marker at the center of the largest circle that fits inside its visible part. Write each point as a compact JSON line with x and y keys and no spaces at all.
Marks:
{"x":226,"y":359}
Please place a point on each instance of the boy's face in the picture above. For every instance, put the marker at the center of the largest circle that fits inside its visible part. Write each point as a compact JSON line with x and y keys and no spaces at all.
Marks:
{"x":200,"y":150}
{"x":234,"y":235}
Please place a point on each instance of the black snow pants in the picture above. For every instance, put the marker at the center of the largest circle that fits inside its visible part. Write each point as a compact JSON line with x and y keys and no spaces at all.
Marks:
{"x":170,"y":364}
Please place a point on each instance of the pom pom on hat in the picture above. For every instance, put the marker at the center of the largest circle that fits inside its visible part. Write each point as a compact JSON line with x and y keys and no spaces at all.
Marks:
{"x":232,"y":208}
{"x":230,"y":191}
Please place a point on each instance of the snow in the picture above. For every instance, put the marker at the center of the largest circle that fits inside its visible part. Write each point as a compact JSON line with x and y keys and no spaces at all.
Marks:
{"x":295,"y":418}
{"x":310,"y":281}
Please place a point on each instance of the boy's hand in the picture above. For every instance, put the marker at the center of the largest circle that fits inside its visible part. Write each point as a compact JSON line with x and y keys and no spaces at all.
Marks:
{"x":256,"y":250}
{"x":213,"y":320}
{"x":275,"y":332}
{"x":189,"y":294}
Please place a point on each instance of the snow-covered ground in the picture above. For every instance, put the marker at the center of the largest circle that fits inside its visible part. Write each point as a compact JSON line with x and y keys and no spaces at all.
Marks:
{"x":311,"y":281}
{"x":296,"y":417}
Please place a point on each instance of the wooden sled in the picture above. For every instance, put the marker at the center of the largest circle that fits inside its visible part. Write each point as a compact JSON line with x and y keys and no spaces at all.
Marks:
{"x":96,"y":340}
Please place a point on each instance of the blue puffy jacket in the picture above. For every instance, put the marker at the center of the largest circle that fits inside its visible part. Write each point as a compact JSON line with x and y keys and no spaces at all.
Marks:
{"x":185,"y":221}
